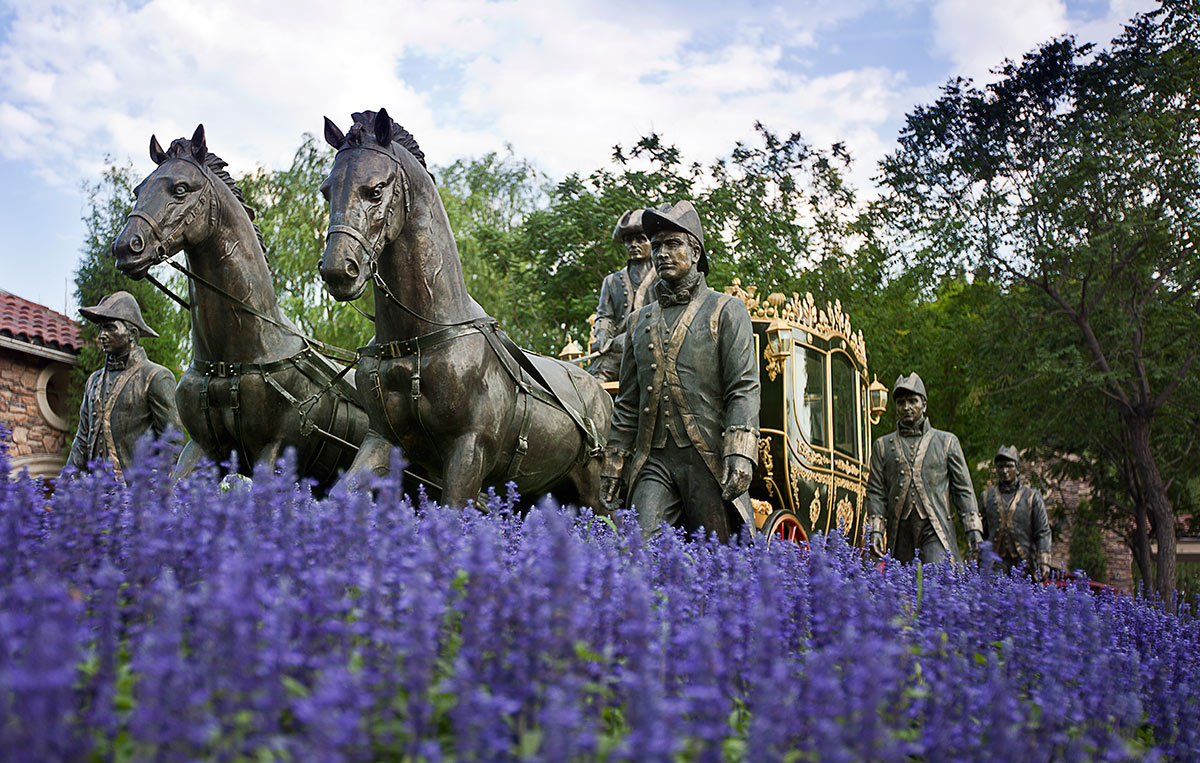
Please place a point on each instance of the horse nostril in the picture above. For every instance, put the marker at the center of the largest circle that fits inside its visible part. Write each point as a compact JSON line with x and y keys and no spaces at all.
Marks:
{"x":136,"y":244}
{"x":352,"y":269}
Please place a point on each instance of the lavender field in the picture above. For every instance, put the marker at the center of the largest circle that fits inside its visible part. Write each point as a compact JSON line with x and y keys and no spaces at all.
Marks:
{"x":257,"y":623}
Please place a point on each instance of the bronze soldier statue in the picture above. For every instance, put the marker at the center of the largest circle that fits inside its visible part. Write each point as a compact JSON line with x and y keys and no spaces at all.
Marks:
{"x":1014,"y":518}
{"x":622,"y":294}
{"x":685,"y":422}
{"x":126,"y":398}
{"x":916,"y":473}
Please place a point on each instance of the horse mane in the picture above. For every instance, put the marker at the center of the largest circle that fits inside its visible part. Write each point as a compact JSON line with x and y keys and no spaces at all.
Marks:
{"x":181,"y":148}
{"x":364,"y":125}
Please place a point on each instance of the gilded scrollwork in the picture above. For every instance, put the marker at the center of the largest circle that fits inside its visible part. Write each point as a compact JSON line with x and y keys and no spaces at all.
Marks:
{"x":845,"y":515}
{"x":814,"y":509}
{"x":762,"y":510}
{"x":850,"y":468}
{"x":804,"y":313}
{"x":774,"y":364}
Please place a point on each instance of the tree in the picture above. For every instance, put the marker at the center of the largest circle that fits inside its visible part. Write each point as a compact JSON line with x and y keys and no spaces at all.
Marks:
{"x":487,"y":199}
{"x":769,"y":211}
{"x":293,"y":218}
{"x":1077,"y":175}
{"x":109,"y":201}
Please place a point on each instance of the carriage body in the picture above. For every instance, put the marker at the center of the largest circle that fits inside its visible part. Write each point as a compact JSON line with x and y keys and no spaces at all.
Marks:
{"x":815,"y":420}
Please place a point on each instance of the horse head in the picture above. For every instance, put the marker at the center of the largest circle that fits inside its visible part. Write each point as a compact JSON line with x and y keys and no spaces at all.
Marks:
{"x":176,"y":206}
{"x":368,"y":196}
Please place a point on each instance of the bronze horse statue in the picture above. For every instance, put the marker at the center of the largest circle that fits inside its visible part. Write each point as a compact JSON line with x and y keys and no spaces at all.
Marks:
{"x":440,"y":379}
{"x":256,"y":384}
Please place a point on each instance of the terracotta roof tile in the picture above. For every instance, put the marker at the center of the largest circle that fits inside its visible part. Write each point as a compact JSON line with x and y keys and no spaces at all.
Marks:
{"x":33,"y":323}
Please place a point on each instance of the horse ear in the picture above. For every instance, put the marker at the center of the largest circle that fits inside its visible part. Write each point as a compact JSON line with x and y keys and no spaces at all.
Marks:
{"x":383,"y":128}
{"x":199,"y":146}
{"x":157,"y":155}
{"x":333,"y":134}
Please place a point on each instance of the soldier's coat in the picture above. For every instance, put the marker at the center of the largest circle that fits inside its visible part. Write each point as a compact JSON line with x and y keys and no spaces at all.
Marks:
{"x":696,"y":382}
{"x":139,"y":397}
{"x":619,"y":299}
{"x":1025,"y":518}
{"x":942,"y":480}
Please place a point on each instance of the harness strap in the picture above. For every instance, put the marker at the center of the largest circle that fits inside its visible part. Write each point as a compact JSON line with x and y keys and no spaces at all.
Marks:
{"x":235,"y":405}
{"x":522,"y":447}
{"x":323,"y":346}
{"x":149,"y":220}
{"x":377,"y":388}
{"x":513,"y":359}
{"x":354,"y":234}
{"x":399,"y":348}
{"x":206,"y":407}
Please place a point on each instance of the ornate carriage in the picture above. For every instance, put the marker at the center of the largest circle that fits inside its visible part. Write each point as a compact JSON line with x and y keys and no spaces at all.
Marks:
{"x":815,"y":424}
{"x":816,"y":416}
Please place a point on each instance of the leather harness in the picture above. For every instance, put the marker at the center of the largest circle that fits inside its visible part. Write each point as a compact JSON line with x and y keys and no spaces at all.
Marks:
{"x":511,"y":357}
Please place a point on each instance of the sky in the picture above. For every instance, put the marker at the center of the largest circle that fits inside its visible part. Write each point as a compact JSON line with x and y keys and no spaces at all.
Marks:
{"x":85,"y":82}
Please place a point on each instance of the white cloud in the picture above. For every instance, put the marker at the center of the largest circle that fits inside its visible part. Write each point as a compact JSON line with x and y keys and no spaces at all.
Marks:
{"x":561,"y":83}
{"x":977,"y":36}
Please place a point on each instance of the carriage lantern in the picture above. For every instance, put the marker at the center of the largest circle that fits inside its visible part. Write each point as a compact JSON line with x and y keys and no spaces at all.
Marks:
{"x":879,"y":397}
{"x":779,"y":339}
{"x":571,"y":352}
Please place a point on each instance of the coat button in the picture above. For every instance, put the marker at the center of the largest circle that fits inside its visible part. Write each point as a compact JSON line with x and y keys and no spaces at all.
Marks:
{"x":649,"y":387}
{"x":653,"y":366}
{"x":645,"y":410}
{"x":651,"y":345}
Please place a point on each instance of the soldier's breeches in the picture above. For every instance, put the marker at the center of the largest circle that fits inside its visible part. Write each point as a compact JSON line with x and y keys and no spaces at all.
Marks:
{"x":918,"y":534}
{"x":676,"y":487}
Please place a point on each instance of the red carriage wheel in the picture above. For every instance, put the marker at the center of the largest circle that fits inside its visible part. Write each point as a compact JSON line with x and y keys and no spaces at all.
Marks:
{"x":784,"y":525}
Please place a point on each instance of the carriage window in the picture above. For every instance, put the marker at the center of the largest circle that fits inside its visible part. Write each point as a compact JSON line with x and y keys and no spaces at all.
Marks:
{"x":845,"y":410}
{"x":809,"y":394}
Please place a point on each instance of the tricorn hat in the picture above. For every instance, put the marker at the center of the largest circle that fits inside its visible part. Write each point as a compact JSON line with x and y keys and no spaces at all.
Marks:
{"x":630,"y":223}
{"x":119,"y":306}
{"x":679,"y":216}
{"x":1008,"y":452}
{"x":911,"y":383}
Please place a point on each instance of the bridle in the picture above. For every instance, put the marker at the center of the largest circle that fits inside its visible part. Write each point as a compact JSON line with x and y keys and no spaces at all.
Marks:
{"x":372,"y":249}
{"x":162,"y":249}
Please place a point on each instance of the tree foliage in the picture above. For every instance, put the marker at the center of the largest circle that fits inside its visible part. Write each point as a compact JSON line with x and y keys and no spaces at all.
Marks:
{"x":293,"y":218}
{"x":1075,"y":176}
{"x":769,"y":211}
{"x":109,"y":201}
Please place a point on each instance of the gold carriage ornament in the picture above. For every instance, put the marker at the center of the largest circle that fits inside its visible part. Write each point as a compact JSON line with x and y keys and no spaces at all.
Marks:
{"x":818,"y":405}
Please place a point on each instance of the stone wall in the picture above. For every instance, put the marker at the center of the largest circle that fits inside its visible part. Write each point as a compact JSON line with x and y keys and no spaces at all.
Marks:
{"x":32,"y":434}
{"x":1067,"y":494}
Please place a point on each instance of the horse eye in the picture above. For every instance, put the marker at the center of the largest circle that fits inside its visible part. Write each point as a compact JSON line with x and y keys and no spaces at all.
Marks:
{"x":180,"y":189}
{"x":377,"y":192}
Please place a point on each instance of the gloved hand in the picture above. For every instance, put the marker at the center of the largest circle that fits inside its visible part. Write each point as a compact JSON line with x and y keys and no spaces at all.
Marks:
{"x":877,"y":546}
{"x":974,"y":538}
{"x":1043,"y":567}
{"x":611,"y":491}
{"x":736,"y":478}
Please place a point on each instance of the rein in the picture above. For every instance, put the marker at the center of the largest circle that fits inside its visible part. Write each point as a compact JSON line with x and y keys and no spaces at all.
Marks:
{"x":214,"y":205}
